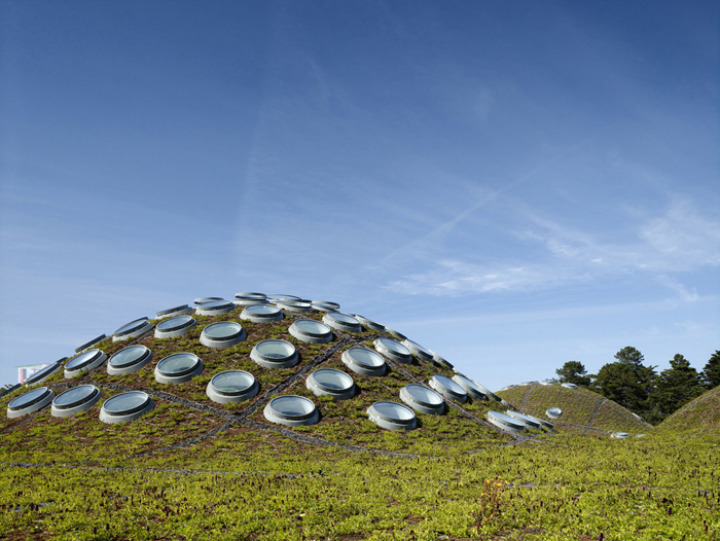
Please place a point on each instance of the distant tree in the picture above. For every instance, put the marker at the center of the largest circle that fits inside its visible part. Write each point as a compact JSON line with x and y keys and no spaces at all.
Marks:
{"x":573,"y":372}
{"x":675,"y":387}
{"x":628,"y":382}
{"x":711,"y":372}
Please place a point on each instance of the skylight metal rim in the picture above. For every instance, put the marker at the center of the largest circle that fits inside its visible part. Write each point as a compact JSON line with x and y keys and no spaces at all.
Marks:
{"x":36,"y":404}
{"x":126,"y":416}
{"x":360,"y":367}
{"x":273,"y":362}
{"x":318,"y":388}
{"x":398,"y":356}
{"x":308,"y":336}
{"x":82,"y":404}
{"x":178,"y":377}
{"x":177,"y":330}
{"x":220,"y":343}
{"x":91,"y":364}
{"x":225,"y":397}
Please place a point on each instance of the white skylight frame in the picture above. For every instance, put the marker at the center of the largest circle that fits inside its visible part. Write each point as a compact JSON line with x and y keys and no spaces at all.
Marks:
{"x":44,"y":373}
{"x":392,"y":415}
{"x":342,"y":322}
{"x":393,"y":350}
{"x":133,"y":329}
{"x":448,"y":388}
{"x":164,"y":372}
{"x":29,"y":402}
{"x":247,"y":298}
{"x":364,"y":361}
{"x":423,"y":399}
{"x":311,"y":331}
{"x":275,"y":353}
{"x":331,"y":382}
{"x":554,"y":412}
{"x":182,"y":310}
{"x":140,"y":404}
{"x":87,"y":360}
{"x":245,"y":387}
{"x":417,"y":350}
{"x":215,"y":307}
{"x":174,"y":326}
{"x":505,"y":422}
{"x":90,"y":343}
{"x":83,"y":397}
{"x":140,"y":355}
{"x":228,"y":340}
{"x":291,"y":410}
{"x":261,"y":313}
{"x":471,"y":388}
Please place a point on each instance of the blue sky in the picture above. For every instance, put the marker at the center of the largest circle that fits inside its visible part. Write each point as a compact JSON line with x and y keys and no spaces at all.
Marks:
{"x":511,"y":184}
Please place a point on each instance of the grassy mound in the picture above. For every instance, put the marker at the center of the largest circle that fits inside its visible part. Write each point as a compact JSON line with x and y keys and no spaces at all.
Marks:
{"x":583,"y":410}
{"x":700,"y":415}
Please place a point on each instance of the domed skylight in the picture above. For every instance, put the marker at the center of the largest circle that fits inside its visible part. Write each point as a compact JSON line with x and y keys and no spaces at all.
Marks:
{"x":471,"y":388}
{"x":422,"y":399}
{"x":311,"y":331}
{"x":222,"y":334}
{"x":133,"y":329}
{"x":291,"y":410}
{"x":129,"y":360}
{"x":44,"y":373}
{"x":83,"y":362}
{"x":181,"y":310}
{"x":392,"y":416}
{"x":175,"y":326}
{"x":178,"y":368}
{"x":448,"y":388}
{"x":504,"y":422}
{"x":75,"y":400}
{"x":90,"y":343}
{"x":274,"y":354}
{"x":554,"y":413}
{"x":417,"y":350}
{"x":331,"y":382}
{"x":261,"y":313}
{"x":250,"y":297}
{"x":214,"y":307}
{"x":342,"y":322}
{"x":29,"y":402}
{"x":364,"y":361}
{"x":126,"y":407}
{"x":393,"y":350}
{"x":232,"y":386}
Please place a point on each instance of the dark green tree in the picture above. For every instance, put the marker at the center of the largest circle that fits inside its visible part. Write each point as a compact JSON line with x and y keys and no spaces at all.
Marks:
{"x":628,"y":382}
{"x":711,"y":372}
{"x":573,"y":372}
{"x":675,"y":387}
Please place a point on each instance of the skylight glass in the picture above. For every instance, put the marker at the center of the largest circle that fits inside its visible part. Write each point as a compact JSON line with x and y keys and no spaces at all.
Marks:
{"x":364,"y":361}
{"x":128,"y":360}
{"x":232,"y":386}
{"x":44,"y":373}
{"x":126,"y":407}
{"x":175,"y":326}
{"x":29,"y":402}
{"x":341,"y":322}
{"x":417,"y":350}
{"x":422,"y":399}
{"x":133,"y":329}
{"x":274,"y":354}
{"x":83,"y":362}
{"x":325,"y":306}
{"x":369,"y":323}
{"x":471,"y":388}
{"x":311,"y":331}
{"x":291,"y":410}
{"x":504,"y":422}
{"x":294,"y":305}
{"x":528,"y":421}
{"x":448,"y":388}
{"x":178,"y":368}
{"x":91,"y":343}
{"x":392,"y":416}
{"x":183,"y":309}
{"x":214,"y":307}
{"x":331,"y":382}
{"x":261,"y":313}
{"x":75,"y":400}
{"x":222,"y":334}
{"x":203,"y":300}
{"x":393,"y":350}
{"x":554,"y":413}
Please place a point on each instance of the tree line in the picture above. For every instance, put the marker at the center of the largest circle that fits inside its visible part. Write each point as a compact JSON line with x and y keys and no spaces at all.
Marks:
{"x":640,"y":388}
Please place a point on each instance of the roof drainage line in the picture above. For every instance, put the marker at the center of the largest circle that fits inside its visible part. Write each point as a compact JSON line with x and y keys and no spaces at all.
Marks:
{"x":694,"y":403}
{"x":449,"y":402}
{"x":594,"y":414}
{"x":187,"y":442}
{"x":525,"y":398}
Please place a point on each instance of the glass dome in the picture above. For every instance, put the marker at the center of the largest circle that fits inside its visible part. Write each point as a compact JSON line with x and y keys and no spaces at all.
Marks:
{"x":311,"y":331}
{"x":325,"y":306}
{"x":417,"y":350}
{"x":178,"y":368}
{"x":440,"y":361}
{"x":294,"y":305}
{"x":504,"y":422}
{"x":448,"y":388}
{"x":422,"y":399}
{"x":83,"y":362}
{"x":29,"y":402}
{"x":90,"y":343}
{"x":214,"y":307}
{"x":128,"y":360}
{"x":126,"y":407}
{"x":331,"y":382}
{"x":181,"y":310}
{"x":274,"y":354}
{"x":364,"y":361}
{"x":291,"y":410}
{"x":554,"y":413}
{"x":369,"y":323}
{"x":250,"y":297}
{"x":175,"y":326}
{"x":470,"y":387}
{"x":203,"y":300}
{"x":392,"y":416}
{"x":261,"y":313}
{"x":528,"y":421}
{"x":75,"y":400}
{"x":133,"y":329}
{"x":222,"y":334}
{"x":232,"y":386}
{"x":342,"y":322}
{"x":44,"y":373}
{"x":393,"y":350}
{"x":569,"y":385}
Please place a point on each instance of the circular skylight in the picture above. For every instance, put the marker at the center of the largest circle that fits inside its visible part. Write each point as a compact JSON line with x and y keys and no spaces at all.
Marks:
{"x":310,"y":331}
{"x":331,"y":382}
{"x":620,"y":435}
{"x":261,"y":313}
{"x":203,"y":300}
{"x":397,"y":335}
{"x":273,"y":297}
{"x":133,"y":329}
{"x":392,"y":416}
{"x":554,"y":413}
{"x":75,"y":400}
{"x":175,"y":326}
{"x":291,"y":410}
{"x":569,"y":385}
{"x":393,"y":350}
{"x":83,"y":362}
{"x":294,"y":305}
{"x":440,"y":361}
{"x":178,"y":368}
{"x":44,"y":373}
{"x":250,"y":297}
{"x":527,"y":420}
{"x":369,"y":323}
{"x":222,"y":334}
{"x":274,"y":354}
{"x":91,"y":343}
{"x":448,"y":388}
{"x":342,"y":322}
{"x":417,"y":350}
{"x":325,"y":306}
{"x":128,"y":360}
{"x":214,"y":307}
{"x":484,"y":390}
{"x":175,"y":311}
{"x":29,"y":402}
{"x":232,"y":386}
{"x":422,"y":399}
{"x":364,"y":361}
{"x":504,"y":422}
{"x":126,"y":407}
{"x":471,"y":388}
